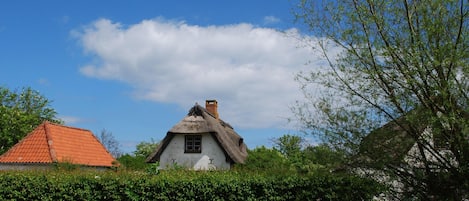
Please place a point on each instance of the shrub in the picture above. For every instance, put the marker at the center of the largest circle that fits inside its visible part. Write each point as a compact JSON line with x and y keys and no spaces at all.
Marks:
{"x":181,"y":185}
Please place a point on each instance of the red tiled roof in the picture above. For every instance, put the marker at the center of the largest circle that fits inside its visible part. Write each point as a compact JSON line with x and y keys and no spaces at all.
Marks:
{"x":50,"y":143}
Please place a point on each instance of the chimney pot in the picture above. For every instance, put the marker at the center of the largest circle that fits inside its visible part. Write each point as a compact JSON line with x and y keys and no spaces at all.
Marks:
{"x":212,"y":107}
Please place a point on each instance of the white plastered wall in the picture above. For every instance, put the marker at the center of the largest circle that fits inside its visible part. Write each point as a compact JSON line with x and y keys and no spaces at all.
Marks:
{"x":211,"y":157}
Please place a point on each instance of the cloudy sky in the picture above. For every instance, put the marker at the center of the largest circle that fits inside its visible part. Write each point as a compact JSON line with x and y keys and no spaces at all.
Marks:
{"x":135,"y":69}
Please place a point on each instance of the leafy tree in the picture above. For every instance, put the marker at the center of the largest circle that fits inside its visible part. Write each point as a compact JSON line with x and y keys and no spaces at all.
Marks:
{"x":20,"y":113}
{"x":307,"y":158}
{"x":144,"y":148}
{"x":289,"y":145}
{"x":264,"y":159}
{"x":290,"y":155}
{"x":136,"y":161}
{"x":110,"y":142}
{"x":324,"y":155}
{"x":404,"y":62}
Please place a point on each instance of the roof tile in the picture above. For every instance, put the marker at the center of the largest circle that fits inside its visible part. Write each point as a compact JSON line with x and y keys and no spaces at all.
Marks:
{"x":57,"y":143}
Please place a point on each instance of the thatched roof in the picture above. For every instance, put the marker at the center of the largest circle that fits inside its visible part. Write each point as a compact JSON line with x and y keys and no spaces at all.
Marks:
{"x":387,"y":144}
{"x":199,"y":120}
{"x":390,"y":143}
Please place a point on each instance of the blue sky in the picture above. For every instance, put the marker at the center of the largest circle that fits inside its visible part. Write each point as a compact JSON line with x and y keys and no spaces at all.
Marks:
{"x":135,"y":68}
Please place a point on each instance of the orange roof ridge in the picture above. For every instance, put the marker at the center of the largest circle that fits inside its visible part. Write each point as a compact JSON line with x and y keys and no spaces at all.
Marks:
{"x":65,"y":126}
{"x":50,"y":142}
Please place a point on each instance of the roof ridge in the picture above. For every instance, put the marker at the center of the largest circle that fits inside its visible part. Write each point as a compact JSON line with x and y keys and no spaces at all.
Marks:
{"x":54,"y":157}
{"x":198,"y":110}
{"x":50,"y":142}
{"x":65,"y":126}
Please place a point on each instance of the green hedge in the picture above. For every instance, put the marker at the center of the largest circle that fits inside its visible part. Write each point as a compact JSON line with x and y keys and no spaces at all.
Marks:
{"x":181,"y":185}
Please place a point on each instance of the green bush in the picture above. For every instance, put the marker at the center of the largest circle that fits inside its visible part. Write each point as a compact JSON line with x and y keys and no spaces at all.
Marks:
{"x":130,"y":162}
{"x":181,"y":185}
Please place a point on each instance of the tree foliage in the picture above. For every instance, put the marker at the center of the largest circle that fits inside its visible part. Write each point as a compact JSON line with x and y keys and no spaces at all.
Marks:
{"x":291,"y":154}
{"x":21,"y":112}
{"x":324,"y":155}
{"x":144,"y":148}
{"x":289,"y":145}
{"x":132,"y":162}
{"x":136,"y":161}
{"x":265,"y":159}
{"x":404,"y":62}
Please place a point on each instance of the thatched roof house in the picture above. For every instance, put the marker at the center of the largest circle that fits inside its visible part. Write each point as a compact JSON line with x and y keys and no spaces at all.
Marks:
{"x":201,"y":140}
{"x":395,"y":142}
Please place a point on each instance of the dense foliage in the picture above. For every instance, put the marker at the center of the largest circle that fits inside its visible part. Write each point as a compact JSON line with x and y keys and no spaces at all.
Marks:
{"x":144,"y":148}
{"x":181,"y":185}
{"x":136,"y":161}
{"x":20,"y":113}
{"x":402,"y":62}
{"x":132,"y":162}
{"x":292,"y":154}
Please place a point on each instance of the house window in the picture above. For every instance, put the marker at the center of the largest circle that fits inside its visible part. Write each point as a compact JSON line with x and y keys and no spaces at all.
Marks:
{"x":193,"y":144}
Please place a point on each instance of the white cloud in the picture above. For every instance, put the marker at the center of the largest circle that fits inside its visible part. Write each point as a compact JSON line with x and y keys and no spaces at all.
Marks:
{"x":271,"y":20}
{"x":249,"y":70}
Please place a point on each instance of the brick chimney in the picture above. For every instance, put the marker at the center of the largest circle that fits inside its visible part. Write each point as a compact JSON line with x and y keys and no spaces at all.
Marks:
{"x":212,"y":107}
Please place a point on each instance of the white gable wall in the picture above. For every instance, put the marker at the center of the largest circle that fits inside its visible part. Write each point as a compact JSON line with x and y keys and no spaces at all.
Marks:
{"x":416,"y":159}
{"x":211,"y":157}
